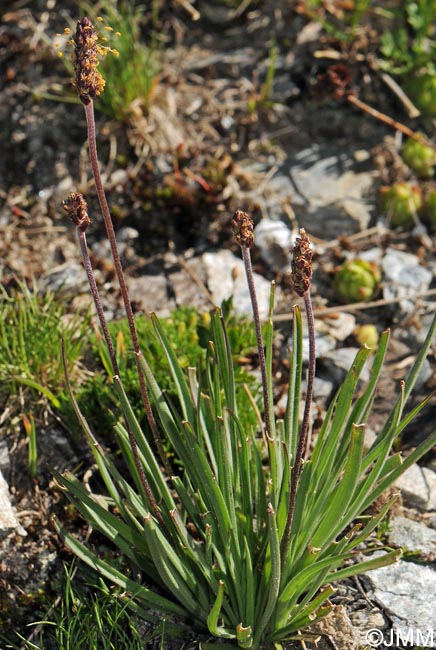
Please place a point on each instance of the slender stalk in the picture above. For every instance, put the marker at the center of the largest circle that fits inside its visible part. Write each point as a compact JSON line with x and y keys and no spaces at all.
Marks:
{"x":97,"y":301}
{"x":90,"y":120}
{"x":77,"y":208}
{"x":243,"y":230}
{"x":302,"y":274}
{"x":260,"y":347}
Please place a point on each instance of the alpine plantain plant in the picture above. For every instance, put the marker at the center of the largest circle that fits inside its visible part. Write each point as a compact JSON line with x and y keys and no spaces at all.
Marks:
{"x":238,"y":532}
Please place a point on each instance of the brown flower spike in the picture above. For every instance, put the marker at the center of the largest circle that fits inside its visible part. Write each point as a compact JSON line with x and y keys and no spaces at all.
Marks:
{"x":302,"y":264}
{"x":77,"y":210}
{"x":88,"y":80}
{"x":243,"y":230}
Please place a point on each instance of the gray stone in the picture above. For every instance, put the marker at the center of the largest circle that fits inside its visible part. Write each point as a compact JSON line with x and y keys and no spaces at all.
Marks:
{"x":407,"y":593}
{"x":418,"y":487}
{"x":150,"y":293}
{"x":413,"y":536}
{"x":226,"y":277}
{"x":325,"y":343}
{"x":127,"y":234}
{"x":364,"y":621}
{"x":274,"y":241}
{"x":5,"y":462}
{"x":339,"y":362}
{"x":402,"y":276}
{"x":8,"y":518}
{"x":327,"y":185}
{"x":68,"y":276}
{"x":322,"y":389}
{"x":339,"y":325}
{"x":188,"y":291}
{"x":337,"y":626}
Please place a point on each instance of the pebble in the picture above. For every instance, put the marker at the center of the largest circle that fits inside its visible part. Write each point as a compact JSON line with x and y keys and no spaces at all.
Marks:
{"x":226,"y":277}
{"x":330,"y":196}
{"x":339,"y":362}
{"x":8,"y":518}
{"x":5,"y":462}
{"x":413,"y":536}
{"x":67,"y":277}
{"x":325,"y":343}
{"x":274,"y":241}
{"x":150,"y":293}
{"x":418,"y":488}
{"x":340,"y":325}
{"x":402,"y":276}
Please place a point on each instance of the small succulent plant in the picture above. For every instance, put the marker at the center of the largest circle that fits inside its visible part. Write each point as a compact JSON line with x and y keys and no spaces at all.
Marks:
{"x":430,"y":207}
{"x":419,"y":157}
{"x":367,"y":335}
{"x":401,"y":202}
{"x":357,"y":280}
{"x":422,"y":91}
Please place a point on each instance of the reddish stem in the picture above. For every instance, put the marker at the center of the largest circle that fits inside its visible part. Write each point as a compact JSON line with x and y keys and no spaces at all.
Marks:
{"x":90,"y":120}
{"x":304,"y":431}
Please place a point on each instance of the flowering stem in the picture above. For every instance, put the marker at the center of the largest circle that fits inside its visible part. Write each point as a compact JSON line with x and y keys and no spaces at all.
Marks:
{"x":90,"y":120}
{"x":77,"y":209}
{"x":260,"y":347}
{"x":243,"y":229}
{"x":302,"y":273}
{"x":97,"y":301}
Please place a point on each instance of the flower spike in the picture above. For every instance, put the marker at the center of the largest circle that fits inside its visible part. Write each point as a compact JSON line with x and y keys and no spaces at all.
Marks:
{"x":243,"y":230}
{"x":77,"y":210}
{"x":88,"y":80}
{"x":302,"y":264}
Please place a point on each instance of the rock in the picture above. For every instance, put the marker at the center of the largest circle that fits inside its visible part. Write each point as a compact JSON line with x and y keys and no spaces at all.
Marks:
{"x":226,"y":277}
{"x":8,"y":518}
{"x":328,"y":186}
{"x":413,"y":536}
{"x":407,"y":592}
{"x":322,"y":389}
{"x":274,"y":240}
{"x":416,"y":331}
{"x":127,"y":234}
{"x":5,"y":463}
{"x":418,"y":488}
{"x":403,"y":276}
{"x":336,"y":626}
{"x":365,"y":621}
{"x":67,"y":277}
{"x":369,"y":437}
{"x":339,"y":362}
{"x":150,"y":293}
{"x":339,"y":325}
{"x":325,"y":343}
{"x":186,"y":291}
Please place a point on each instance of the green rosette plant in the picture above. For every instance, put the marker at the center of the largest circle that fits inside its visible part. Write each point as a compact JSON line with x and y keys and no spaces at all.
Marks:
{"x":243,"y":533}
{"x":401,"y":202}
{"x":357,"y":280}
{"x":419,"y":157}
{"x":422,"y":90}
{"x":430,"y":207}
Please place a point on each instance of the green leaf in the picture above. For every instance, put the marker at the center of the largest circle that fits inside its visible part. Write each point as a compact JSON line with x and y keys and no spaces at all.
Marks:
{"x":39,"y":387}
